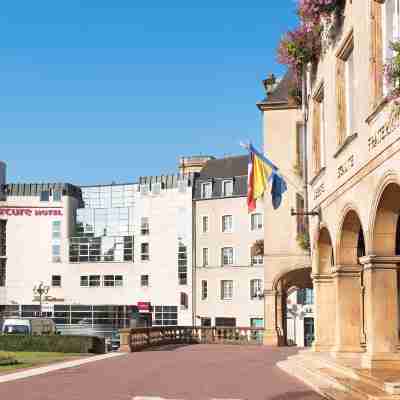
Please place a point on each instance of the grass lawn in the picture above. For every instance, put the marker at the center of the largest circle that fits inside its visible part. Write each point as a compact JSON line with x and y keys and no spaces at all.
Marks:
{"x":29,"y":359}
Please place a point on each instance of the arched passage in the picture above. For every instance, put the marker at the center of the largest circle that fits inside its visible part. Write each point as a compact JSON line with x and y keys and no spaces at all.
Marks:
{"x":289,"y":283}
{"x":325,"y":311}
{"x":347,"y":282}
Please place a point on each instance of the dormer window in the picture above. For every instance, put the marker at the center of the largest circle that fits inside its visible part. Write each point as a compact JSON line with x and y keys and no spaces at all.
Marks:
{"x":206,"y":190}
{"x":227,"y":188}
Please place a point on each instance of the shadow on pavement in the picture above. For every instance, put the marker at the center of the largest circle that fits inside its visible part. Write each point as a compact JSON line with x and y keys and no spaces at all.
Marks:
{"x":305,"y":395}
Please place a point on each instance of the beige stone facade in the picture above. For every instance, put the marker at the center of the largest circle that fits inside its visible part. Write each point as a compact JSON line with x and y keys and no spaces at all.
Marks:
{"x":287,"y":265}
{"x":355,"y":184}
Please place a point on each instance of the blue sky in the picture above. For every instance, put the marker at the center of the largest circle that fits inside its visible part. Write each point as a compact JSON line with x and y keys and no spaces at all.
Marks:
{"x":95,"y":91}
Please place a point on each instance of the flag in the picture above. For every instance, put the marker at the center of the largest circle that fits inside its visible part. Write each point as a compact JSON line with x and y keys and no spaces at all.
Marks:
{"x":260,"y":171}
{"x":278,"y":188}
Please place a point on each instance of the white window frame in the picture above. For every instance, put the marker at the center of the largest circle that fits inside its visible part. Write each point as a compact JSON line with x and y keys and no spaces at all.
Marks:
{"x":204,"y":289}
{"x":350,"y":78}
{"x":255,"y":258}
{"x":203,"y":192}
{"x":202,"y":231}
{"x":144,"y":227}
{"x":141,"y":281}
{"x":222,"y":223}
{"x":222,"y":256}
{"x":258,"y":229}
{"x":144,"y":257}
{"x":87,"y":280}
{"x":52,"y":282}
{"x":225,"y":295}
{"x":223,"y":191}
{"x":256,"y":290}
{"x":203,"y":258}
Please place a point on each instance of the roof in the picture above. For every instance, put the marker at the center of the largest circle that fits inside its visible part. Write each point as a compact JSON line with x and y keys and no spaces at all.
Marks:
{"x":281,"y":92}
{"x":225,"y":167}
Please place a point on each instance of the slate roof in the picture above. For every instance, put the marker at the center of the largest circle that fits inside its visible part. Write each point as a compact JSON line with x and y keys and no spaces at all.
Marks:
{"x":225,"y":167}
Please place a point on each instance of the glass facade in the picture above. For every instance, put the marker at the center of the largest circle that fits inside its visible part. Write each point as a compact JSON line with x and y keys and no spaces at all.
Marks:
{"x":104,"y":227}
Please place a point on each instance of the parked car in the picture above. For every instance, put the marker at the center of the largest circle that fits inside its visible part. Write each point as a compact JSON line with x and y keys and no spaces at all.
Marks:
{"x":17,"y":326}
{"x":115,"y":341}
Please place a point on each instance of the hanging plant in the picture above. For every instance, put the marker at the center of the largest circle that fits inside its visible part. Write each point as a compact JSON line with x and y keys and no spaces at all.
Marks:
{"x":392,"y":78}
{"x":299,"y":47}
{"x":311,"y":11}
{"x":258,"y":248}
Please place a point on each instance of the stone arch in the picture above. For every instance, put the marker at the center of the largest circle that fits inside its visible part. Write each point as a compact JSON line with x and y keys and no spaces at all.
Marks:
{"x":351,"y":237}
{"x":385,"y":214}
{"x":286,"y":272}
{"x":324,"y":256}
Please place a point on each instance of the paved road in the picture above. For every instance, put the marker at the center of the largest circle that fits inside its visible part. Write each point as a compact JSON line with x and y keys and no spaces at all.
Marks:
{"x":189,"y":373}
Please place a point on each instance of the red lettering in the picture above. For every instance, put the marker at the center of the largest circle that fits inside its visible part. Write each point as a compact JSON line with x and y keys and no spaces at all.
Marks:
{"x":28,"y":212}
{"x":9,"y":212}
{"x":2,"y":211}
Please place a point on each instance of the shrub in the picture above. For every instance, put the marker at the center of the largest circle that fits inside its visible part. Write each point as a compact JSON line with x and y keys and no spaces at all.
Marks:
{"x":7,"y":358}
{"x":53,"y":343}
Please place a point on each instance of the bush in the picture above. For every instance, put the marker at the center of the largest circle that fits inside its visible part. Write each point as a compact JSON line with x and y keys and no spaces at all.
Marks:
{"x":53,"y":343}
{"x":7,"y":358}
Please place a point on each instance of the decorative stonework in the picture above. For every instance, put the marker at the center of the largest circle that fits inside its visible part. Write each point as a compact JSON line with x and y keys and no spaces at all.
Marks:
{"x":329,"y":25}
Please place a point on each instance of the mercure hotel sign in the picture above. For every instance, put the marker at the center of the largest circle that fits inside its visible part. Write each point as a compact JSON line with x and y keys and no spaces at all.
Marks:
{"x":30,"y":212}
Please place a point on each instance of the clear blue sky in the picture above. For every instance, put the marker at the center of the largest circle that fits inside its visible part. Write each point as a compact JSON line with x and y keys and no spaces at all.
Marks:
{"x":95,"y":91}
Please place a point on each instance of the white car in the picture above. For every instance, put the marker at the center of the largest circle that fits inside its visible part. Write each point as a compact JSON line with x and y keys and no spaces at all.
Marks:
{"x":17,"y":326}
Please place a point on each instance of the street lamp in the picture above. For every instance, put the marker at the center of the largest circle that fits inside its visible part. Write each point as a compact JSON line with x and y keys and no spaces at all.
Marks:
{"x":269,"y":83}
{"x":40,"y":291}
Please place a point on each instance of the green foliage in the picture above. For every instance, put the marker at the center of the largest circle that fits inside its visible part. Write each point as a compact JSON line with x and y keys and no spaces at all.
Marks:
{"x":303,"y":240}
{"x":7,"y":358}
{"x":53,"y":343}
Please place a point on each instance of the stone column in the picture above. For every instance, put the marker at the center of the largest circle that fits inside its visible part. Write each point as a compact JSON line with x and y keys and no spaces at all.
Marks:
{"x":347,"y":287}
{"x":381,"y":312}
{"x":273,"y":318}
{"x":124,"y":337}
{"x":325,"y":312}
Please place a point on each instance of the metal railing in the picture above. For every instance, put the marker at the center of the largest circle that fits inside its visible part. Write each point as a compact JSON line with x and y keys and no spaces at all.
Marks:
{"x":137,"y":339}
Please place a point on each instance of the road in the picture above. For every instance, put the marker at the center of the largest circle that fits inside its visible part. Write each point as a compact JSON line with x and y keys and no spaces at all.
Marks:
{"x":196,"y":372}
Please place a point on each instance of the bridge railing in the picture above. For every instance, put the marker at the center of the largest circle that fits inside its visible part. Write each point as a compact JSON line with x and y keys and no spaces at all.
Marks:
{"x":137,"y":339}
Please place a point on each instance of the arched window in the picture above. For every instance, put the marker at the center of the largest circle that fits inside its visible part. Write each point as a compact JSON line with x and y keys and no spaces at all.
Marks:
{"x":360,"y":244}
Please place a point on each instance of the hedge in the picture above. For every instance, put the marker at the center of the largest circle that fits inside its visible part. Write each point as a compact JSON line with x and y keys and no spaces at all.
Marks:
{"x":7,"y":358}
{"x":53,"y":343}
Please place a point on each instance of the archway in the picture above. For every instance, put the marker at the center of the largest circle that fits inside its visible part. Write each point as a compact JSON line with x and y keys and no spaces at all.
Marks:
{"x":289,"y":288}
{"x":347,"y":282}
{"x":325,"y":311}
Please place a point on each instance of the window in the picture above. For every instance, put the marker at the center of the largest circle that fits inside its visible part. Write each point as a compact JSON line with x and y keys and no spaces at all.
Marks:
{"x":301,"y":220}
{"x":112,"y":280}
{"x":2,"y":272}
{"x":101,"y":249}
{"x":3,"y":237}
{"x":205,"y":257}
{"x":256,"y":221}
{"x":165,"y":315}
{"x":44,"y":195}
{"x":206,"y":190}
{"x":256,"y":259}
{"x":227,"y":223}
{"x":226,"y":322}
{"x":94,"y":280}
{"x":255,"y":288}
{"x":56,"y":281}
{"x":318,"y":140}
{"x":226,"y":290}
{"x":182,"y":263}
{"x":205,"y":322}
{"x":144,"y":189}
{"x":305,"y":296}
{"x":227,"y":256}
{"x":345,"y":91}
{"x":144,"y":280}
{"x":156,"y":188}
{"x":144,"y":226}
{"x":57,"y":195}
{"x":184,"y":300}
{"x":204,"y":290}
{"x":204,"y":224}
{"x":84,"y":281}
{"x":56,"y":252}
{"x":144,"y":252}
{"x":376,"y":57}
{"x":299,"y":149}
{"x":56,"y":229}
{"x":227,"y":188}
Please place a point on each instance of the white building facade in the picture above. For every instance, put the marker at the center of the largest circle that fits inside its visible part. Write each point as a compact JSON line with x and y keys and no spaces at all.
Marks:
{"x":106,"y":253}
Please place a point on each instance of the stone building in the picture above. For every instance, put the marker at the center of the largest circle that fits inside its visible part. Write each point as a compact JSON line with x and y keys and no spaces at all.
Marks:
{"x":287,"y":261}
{"x":228,"y":272}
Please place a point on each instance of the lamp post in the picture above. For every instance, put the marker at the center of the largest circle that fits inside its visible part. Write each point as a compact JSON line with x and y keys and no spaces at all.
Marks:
{"x":269,"y":83}
{"x":41,"y":290}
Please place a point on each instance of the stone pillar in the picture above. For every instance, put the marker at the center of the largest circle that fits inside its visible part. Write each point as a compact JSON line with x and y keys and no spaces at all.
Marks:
{"x":124,"y":337}
{"x":325,"y":312}
{"x":273,"y":318}
{"x":381,"y":312}
{"x":347,"y":287}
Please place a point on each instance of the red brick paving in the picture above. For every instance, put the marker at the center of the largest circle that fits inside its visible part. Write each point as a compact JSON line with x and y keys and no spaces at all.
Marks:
{"x":188,"y":373}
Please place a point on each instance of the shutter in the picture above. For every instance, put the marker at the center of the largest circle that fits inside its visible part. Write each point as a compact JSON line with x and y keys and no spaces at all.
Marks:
{"x":376,"y":53}
{"x":340,"y":101}
{"x":316,"y":137}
